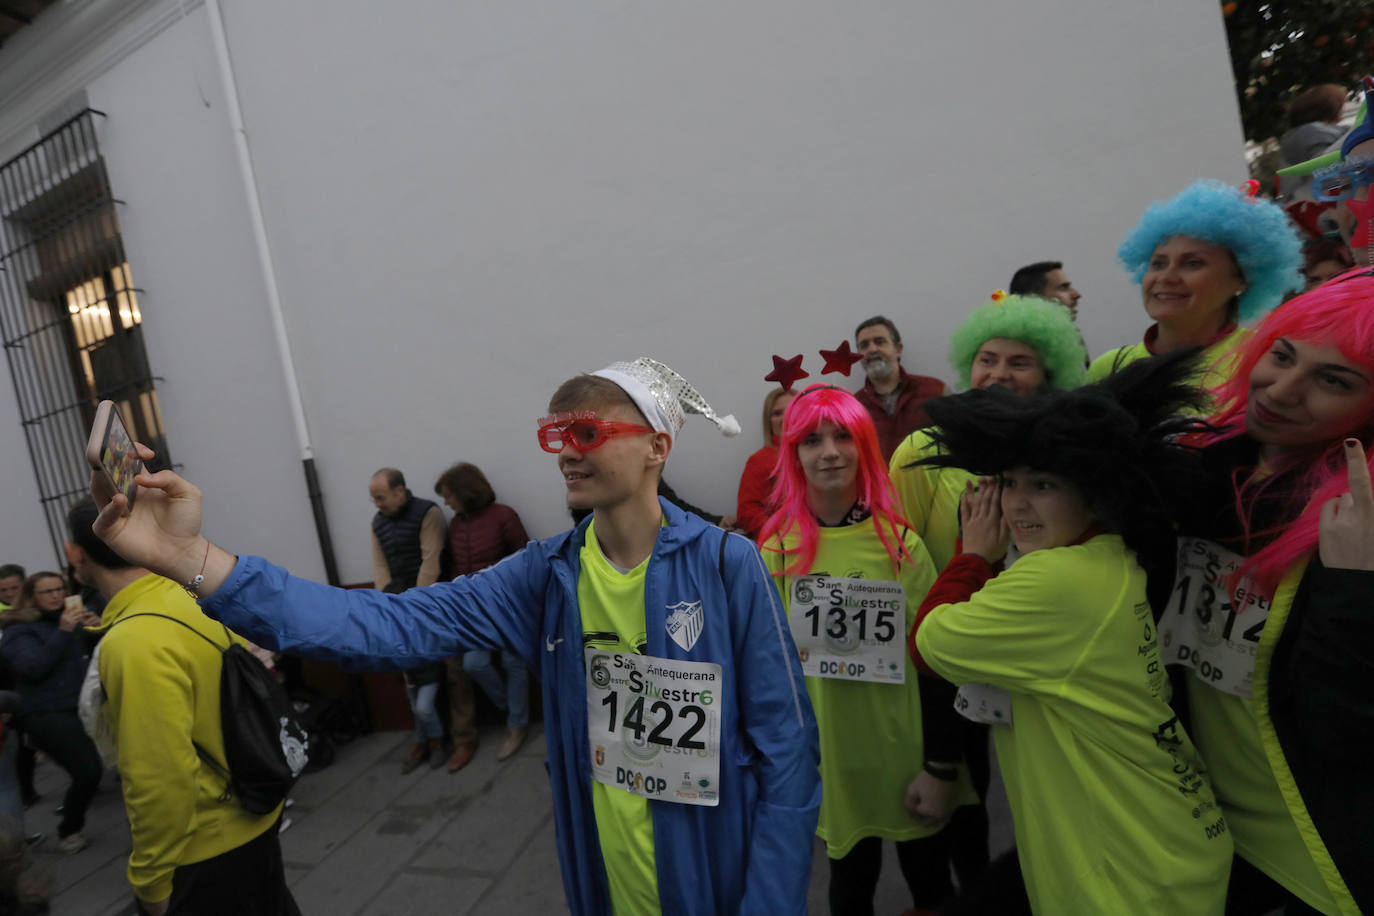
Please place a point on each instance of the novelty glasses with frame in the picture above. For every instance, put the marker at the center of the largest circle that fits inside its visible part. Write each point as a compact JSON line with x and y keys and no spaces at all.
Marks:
{"x":1342,"y":180}
{"x":582,"y":430}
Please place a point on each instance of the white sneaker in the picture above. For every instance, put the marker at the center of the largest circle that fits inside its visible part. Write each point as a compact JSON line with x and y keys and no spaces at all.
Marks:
{"x":73,"y":843}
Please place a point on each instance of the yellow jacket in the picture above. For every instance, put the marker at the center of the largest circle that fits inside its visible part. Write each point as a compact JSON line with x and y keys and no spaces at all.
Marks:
{"x":1111,"y":804}
{"x":930,"y":496}
{"x":162,"y":687}
{"x":1216,"y":364}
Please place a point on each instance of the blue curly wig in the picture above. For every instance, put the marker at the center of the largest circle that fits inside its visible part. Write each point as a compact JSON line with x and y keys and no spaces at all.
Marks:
{"x":1257,"y":232}
{"x":1043,"y":325}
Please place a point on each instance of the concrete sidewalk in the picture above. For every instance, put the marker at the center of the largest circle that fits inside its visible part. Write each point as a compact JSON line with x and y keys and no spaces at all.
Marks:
{"x":366,"y":841}
{"x":363,"y":839}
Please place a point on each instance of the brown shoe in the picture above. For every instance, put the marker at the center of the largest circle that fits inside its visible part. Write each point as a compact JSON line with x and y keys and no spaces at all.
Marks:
{"x":514,"y":738}
{"x":418,"y":754}
{"x":461,"y":755}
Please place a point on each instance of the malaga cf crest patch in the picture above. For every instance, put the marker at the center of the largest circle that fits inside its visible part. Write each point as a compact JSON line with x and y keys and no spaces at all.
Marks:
{"x":685,"y":620}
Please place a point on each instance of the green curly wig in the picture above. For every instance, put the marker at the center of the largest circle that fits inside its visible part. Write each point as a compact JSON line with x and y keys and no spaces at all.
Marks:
{"x":1044,"y":325}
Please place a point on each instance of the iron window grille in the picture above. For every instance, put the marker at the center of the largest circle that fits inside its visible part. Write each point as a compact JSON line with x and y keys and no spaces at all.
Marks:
{"x":69,"y":312}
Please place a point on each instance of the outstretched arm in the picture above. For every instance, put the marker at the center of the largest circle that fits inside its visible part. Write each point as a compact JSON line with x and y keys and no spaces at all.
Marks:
{"x":498,"y":608}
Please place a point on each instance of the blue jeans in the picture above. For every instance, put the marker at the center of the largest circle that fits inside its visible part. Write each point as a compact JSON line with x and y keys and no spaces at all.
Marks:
{"x":427,"y":724}
{"x":511,"y":697}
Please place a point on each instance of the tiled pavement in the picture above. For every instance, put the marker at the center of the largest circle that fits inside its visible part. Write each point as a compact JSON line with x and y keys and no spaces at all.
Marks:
{"x":366,"y":841}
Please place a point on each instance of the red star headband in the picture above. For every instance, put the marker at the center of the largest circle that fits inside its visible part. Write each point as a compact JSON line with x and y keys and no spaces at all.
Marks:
{"x":841,"y":359}
{"x":787,"y":372}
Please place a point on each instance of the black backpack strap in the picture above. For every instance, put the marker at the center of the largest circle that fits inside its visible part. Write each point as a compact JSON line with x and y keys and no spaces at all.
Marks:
{"x":720,"y":562}
{"x":182,"y":623}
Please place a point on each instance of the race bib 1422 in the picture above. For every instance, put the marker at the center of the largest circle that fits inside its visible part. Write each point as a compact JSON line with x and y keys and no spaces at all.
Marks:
{"x":654,"y":726}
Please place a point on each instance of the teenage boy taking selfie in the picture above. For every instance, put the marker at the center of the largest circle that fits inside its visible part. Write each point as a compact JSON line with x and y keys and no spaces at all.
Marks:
{"x":682,"y":749}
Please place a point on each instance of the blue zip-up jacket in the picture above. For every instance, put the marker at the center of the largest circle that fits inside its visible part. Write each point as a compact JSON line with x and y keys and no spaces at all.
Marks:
{"x":750,"y":854}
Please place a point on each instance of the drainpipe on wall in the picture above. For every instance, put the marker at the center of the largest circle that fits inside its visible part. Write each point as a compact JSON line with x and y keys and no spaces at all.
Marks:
{"x":269,"y":277}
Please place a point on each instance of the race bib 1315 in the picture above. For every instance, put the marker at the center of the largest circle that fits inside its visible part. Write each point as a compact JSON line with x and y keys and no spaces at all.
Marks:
{"x":854,"y":629}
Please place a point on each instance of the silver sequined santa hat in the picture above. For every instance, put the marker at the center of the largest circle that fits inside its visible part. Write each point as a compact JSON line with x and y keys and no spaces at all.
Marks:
{"x":663,"y":395}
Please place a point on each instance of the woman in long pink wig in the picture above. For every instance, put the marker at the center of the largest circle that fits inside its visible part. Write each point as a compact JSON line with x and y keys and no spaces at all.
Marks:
{"x":1271,"y":606}
{"x":1305,"y":475}
{"x":875,"y":494}
{"x":851,"y":573}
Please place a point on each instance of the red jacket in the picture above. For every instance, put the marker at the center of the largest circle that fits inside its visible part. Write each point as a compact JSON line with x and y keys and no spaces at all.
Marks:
{"x":755,"y":486}
{"x":910,"y":416}
{"x":481,"y":538}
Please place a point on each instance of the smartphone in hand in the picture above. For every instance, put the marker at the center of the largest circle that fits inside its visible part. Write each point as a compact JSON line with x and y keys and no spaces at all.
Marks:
{"x":110,"y":451}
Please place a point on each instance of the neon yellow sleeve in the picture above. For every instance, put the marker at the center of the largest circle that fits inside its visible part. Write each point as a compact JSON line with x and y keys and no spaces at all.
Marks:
{"x":1104,"y":365}
{"x":915,"y":486}
{"x":1028,"y":629}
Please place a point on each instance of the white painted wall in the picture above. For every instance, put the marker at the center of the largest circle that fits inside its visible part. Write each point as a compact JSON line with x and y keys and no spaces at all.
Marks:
{"x":189,"y":244}
{"x":170,"y":158}
{"x":468,"y":203}
{"x":24,"y":537}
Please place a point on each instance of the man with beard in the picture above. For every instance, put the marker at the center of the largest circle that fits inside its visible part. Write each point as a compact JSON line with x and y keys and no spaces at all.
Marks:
{"x":893,"y":396}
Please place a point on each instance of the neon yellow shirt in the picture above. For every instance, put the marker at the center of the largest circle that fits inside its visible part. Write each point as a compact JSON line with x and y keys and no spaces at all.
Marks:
{"x":1113,"y":809}
{"x":870,"y":734}
{"x":1217,"y":363}
{"x":612,"y":610}
{"x":930,"y":496}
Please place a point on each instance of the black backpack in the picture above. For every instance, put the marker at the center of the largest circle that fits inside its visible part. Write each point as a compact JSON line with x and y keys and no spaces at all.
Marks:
{"x":265,"y":747}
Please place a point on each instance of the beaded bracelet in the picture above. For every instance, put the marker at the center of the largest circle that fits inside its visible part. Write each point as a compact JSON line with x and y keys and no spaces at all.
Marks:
{"x":192,"y":586}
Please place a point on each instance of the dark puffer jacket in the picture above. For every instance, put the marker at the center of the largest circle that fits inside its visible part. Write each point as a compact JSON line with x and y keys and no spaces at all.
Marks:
{"x":48,"y":663}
